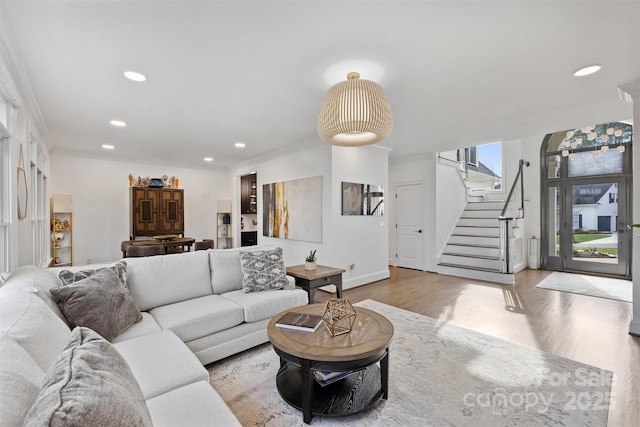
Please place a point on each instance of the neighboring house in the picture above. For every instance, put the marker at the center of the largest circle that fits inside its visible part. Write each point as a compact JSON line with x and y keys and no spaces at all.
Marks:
{"x":479,"y":177}
{"x":595,"y":207}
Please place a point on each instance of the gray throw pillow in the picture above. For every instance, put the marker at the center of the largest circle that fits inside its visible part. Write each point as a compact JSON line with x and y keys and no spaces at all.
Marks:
{"x":263,"y":270}
{"x":99,"y":302}
{"x":89,"y":384}
{"x":67,"y":277}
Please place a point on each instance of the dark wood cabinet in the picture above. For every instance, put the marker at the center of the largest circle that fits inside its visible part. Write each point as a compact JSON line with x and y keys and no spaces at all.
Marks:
{"x":155,"y":211}
{"x":248,"y":238}
{"x":248,"y":194}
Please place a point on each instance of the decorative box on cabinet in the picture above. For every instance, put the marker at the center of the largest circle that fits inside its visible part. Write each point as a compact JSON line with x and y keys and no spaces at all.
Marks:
{"x":155,"y":211}
{"x":61,"y":209}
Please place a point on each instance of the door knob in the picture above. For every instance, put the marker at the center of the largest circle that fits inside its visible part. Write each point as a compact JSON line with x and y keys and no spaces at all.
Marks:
{"x":419,"y":231}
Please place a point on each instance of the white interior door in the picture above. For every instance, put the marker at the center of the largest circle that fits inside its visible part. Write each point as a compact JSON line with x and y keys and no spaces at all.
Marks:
{"x":409,"y":235}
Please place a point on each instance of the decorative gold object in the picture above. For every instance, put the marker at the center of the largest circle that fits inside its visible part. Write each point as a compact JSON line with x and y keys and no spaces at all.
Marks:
{"x":338,"y":316}
{"x":354,"y":113}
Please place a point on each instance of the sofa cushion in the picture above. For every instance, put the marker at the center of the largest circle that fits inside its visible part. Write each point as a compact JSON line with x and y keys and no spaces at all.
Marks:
{"x":147,"y":325}
{"x":31,"y":323}
{"x":100,"y":302}
{"x":161,"y":362}
{"x":161,"y":280}
{"x":194,"y":405}
{"x":198,"y":317}
{"x":264,"y":305}
{"x":89,"y":383}
{"x":37,"y":281}
{"x":226,"y":273}
{"x":263,"y":270}
{"x":20,"y":381}
{"x":120,"y":268}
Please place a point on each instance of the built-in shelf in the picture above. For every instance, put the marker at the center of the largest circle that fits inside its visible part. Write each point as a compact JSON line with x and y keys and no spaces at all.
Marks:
{"x":61,"y":209}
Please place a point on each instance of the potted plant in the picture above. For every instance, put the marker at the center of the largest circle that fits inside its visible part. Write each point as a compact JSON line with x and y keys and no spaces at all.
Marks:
{"x":310,"y":261}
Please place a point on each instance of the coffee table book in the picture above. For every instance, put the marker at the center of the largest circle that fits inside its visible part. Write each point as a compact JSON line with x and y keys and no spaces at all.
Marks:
{"x":299,"y":321}
{"x":328,"y":377}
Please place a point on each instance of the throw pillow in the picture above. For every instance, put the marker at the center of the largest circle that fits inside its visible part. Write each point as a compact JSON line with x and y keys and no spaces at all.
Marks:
{"x":67,"y":277}
{"x":90,"y":383}
{"x":263,"y":270}
{"x":99,"y":302}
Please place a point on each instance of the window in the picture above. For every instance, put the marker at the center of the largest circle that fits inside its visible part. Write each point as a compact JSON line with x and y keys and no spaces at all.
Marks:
{"x":471,"y":155}
{"x":613,"y":197}
{"x":483,"y":167}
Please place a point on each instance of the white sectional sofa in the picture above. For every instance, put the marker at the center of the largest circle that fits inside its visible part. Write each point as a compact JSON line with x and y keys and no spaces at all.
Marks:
{"x":194,"y":312}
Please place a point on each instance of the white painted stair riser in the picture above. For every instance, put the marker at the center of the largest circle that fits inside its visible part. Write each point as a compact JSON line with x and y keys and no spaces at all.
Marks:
{"x":493,"y":264}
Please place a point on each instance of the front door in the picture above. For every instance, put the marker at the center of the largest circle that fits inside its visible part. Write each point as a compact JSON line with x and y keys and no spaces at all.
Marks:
{"x":599,"y":244}
{"x":409,"y":235}
{"x":586,"y":200}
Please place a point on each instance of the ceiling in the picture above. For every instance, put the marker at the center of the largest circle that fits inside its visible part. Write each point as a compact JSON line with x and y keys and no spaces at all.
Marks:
{"x":455,"y":73}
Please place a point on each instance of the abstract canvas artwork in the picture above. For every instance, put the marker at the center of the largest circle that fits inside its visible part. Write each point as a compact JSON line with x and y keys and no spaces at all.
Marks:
{"x":293,"y":209}
{"x":362,"y":199}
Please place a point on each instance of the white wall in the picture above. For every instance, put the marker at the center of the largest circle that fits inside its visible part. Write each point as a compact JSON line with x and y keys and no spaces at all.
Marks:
{"x":346,"y":240}
{"x":359,"y":240}
{"x":100,"y":190}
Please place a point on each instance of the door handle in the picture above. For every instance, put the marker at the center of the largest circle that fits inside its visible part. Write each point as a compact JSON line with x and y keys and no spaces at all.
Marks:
{"x":419,"y":231}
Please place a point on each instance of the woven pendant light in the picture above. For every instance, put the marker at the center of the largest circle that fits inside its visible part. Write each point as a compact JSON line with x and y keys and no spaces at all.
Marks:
{"x":354,"y":113}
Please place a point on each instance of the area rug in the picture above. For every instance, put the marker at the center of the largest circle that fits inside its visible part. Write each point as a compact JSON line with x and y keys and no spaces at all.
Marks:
{"x":439,"y":375}
{"x":602,"y":287}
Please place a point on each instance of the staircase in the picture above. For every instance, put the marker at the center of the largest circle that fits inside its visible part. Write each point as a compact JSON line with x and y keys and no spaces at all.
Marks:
{"x":473,"y":249}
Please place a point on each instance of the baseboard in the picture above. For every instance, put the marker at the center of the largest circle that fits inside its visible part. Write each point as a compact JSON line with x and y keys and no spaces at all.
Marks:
{"x":359,"y":281}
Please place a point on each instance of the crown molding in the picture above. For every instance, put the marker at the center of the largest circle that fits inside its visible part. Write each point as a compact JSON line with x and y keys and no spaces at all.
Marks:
{"x":12,"y":72}
{"x":249,"y":164}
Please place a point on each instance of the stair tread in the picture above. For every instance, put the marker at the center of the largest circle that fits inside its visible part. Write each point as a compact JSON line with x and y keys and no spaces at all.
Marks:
{"x":489,"y":257}
{"x":471,"y":245}
{"x":479,"y":217}
{"x":475,"y":235}
{"x":468,"y":267}
{"x":477,"y":226}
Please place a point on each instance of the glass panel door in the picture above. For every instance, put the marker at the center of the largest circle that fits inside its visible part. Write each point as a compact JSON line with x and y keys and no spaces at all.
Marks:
{"x":596,"y":213}
{"x":551,"y":251}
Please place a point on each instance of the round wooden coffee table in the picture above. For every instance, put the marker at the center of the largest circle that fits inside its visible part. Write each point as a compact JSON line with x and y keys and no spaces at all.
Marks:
{"x":358,"y":351}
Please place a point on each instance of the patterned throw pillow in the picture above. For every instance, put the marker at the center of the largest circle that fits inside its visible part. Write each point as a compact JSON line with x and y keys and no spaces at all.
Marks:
{"x":263,"y":270}
{"x":90,"y":383}
{"x":99,"y":302}
{"x":69,"y":277}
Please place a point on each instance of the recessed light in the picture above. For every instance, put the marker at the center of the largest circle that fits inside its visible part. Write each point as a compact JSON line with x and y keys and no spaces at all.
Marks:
{"x":587,"y":70}
{"x":136,"y":77}
{"x":240,"y":144}
{"x":118,"y":123}
{"x":208,"y":159}
{"x":108,"y":146}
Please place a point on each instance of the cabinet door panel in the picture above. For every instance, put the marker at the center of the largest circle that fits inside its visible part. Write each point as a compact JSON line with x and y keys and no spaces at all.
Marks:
{"x":144,"y":202}
{"x":172,"y":212}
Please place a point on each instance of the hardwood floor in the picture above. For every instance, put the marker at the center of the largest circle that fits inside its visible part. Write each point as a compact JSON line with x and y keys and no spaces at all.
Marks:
{"x":586,"y":329}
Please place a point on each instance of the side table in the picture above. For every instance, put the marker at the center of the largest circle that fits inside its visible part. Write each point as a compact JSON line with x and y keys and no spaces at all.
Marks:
{"x":310,"y":280}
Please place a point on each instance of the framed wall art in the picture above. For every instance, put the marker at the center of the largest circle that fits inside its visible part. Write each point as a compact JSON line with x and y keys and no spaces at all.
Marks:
{"x":293,"y":209}
{"x":362,"y":199}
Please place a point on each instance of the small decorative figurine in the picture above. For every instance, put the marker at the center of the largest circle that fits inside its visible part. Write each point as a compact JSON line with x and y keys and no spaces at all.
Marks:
{"x":338,"y":316}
